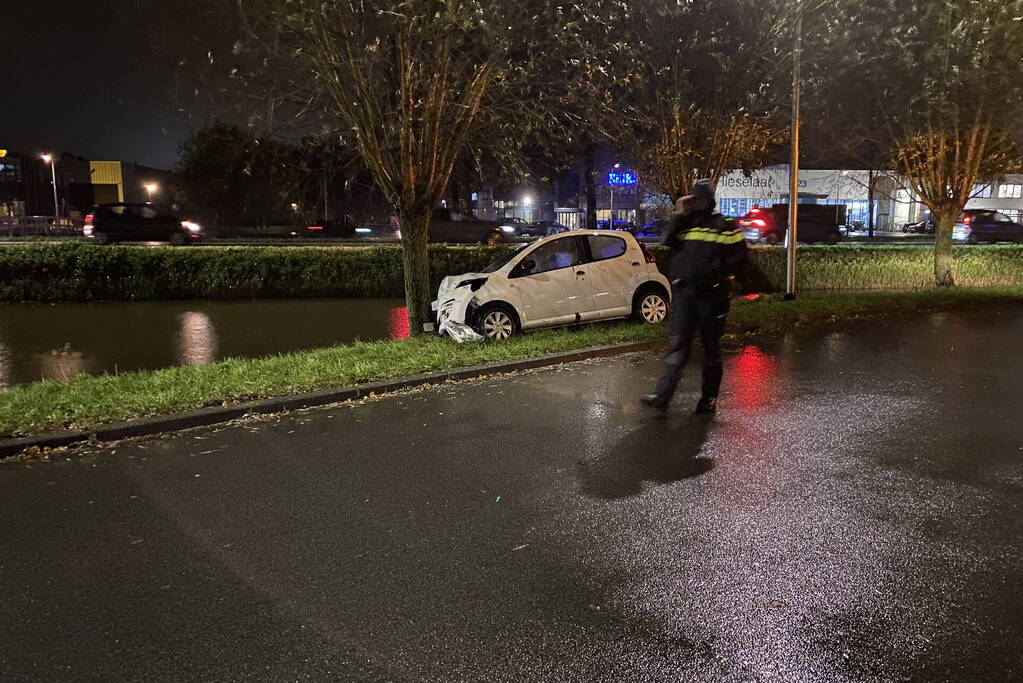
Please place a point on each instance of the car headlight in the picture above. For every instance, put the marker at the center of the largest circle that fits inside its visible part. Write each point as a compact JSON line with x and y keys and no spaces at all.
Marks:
{"x":191,"y":227}
{"x":508,"y":229}
{"x":472,"y":283}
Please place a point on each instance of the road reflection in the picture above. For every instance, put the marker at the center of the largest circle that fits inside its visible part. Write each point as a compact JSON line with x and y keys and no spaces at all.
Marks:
{"x":197,"y":339}
{"x":754,"y":371}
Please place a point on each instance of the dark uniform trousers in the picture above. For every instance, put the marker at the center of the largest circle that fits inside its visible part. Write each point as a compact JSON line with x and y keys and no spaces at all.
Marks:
{"x":693,"y":311}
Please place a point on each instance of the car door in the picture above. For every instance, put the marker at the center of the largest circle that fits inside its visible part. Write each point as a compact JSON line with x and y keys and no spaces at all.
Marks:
{"x":555,"y":290}
{"x":984,"y":228}
{"x":613,"y":271}
{"x":1004,"y":228}
{"x":114,"y":221}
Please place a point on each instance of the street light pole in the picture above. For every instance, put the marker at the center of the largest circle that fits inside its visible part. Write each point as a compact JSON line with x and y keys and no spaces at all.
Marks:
{"x":52,"y":161}
{"x":792,"y":233}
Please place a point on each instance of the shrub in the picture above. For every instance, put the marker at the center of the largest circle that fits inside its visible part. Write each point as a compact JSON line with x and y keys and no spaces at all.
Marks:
{"x":51,"y":272}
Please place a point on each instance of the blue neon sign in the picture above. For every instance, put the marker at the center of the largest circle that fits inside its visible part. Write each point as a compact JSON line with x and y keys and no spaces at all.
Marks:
{"x":620,"y":178}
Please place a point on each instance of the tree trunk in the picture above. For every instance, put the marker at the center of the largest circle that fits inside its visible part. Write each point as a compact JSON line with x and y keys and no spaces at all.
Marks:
{"x":591,"y":188}
{"x":415,"y":263}
{"x":944,"y":272}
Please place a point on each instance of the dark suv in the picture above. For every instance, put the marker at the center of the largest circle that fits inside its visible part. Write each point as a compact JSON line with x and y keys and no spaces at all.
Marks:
{"x":985,"y":225}
{"x":817,"y":223}
{"x":138,"y":223}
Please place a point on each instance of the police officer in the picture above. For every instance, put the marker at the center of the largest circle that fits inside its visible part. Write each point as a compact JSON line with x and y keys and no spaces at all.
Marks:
{"x":707,"y":250}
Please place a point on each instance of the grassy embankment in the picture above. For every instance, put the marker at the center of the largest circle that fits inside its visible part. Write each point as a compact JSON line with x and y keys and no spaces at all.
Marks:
{"x":86,"y":402}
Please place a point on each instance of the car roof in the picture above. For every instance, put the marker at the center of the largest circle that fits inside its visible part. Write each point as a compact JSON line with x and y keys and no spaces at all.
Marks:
{"x":616,"y":233}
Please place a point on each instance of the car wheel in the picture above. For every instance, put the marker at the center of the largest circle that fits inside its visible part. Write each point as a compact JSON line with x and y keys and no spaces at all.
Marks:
{"x":497,"y":321}
{"x":178,"y":239}
{"x":972,"y":239}
{"x":832,"y":238}
{"x":100,"y":237}
{"x":650,"y":306}
{"x":772,"y":238}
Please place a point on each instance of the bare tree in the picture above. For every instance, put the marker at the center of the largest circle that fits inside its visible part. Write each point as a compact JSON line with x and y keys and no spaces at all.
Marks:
{"x":709,"y":75}
{"x":407,"y":81}
{"x":956,"y":127}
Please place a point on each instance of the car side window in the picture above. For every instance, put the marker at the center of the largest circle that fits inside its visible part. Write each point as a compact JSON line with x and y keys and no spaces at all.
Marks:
{"x":118,"y":210}
{"x":603,"y":247}
{"x":147,"y":212}
{"x":561,"y":253}
{"x":1001,"y":218}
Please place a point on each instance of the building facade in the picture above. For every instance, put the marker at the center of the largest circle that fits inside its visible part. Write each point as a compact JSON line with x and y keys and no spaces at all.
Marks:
{"x":894,"y":204}
{"x":26,"y":185}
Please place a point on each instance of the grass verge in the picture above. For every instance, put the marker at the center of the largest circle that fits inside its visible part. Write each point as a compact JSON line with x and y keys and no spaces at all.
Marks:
{"x":87,"y":402}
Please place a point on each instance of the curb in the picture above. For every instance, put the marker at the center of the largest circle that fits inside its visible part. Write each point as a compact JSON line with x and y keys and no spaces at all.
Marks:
{"x":210,"y":416}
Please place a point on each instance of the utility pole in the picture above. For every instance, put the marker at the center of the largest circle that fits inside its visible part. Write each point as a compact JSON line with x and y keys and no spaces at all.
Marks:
{"x":792,"y":233}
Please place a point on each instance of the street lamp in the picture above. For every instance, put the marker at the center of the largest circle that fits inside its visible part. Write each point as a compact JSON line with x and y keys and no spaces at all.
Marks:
{"x":151,"y":188}
{"x":49,"y":159}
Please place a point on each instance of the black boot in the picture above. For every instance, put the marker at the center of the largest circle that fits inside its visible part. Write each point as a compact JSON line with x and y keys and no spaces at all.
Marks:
{"x":706,"y":406}
{"x":654,"y":401}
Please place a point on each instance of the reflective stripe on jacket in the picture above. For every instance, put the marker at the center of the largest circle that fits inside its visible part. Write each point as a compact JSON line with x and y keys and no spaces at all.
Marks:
{"x":709,"y":249}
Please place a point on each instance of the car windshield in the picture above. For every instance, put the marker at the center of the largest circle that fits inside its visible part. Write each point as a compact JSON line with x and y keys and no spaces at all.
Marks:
{"x":503,"y":261}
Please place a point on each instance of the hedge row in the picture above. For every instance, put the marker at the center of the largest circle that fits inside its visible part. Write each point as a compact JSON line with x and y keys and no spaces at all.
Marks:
{"x":84,"y":272}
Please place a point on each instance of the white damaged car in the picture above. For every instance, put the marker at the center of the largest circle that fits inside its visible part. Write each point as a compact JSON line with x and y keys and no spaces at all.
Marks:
{"x":565,"y":279}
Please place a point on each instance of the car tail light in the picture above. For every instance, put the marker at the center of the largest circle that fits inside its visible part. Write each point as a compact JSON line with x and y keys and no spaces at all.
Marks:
{"x":650,"y":258}
{"x":88,"y":219}
{"x":315,"y":227}
{"x":759,"y":222}
{"x":967,"y":219}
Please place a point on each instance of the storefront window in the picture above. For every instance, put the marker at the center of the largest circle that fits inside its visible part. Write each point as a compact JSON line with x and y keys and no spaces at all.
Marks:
{"x":1010,"y":191}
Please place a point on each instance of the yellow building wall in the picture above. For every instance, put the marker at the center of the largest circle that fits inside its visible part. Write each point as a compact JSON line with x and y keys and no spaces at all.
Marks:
{"x":107,"y":173}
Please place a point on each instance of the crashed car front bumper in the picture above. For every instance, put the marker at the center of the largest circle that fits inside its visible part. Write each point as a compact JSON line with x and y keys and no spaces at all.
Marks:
{"x":457,"y":306}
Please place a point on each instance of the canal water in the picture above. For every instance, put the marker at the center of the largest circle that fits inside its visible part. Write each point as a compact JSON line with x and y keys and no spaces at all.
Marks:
{"x":39,"y":341}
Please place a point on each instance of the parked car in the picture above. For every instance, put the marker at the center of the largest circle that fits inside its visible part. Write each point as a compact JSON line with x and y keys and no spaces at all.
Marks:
{"x":123,"y":222}
{"x":518,"y":226}
{"x":582,"y":276}
{"x":461,"y":228}
{"x":653,"y":230}
{"x":925,"y":226}
{"x":817,"y":223}
{"x":617,"y":224}
{"x":545,"y":228}
{"x":984,"y":225}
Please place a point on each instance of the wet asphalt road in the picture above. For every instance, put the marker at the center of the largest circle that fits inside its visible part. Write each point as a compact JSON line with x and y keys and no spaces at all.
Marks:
{"x":853,"y":513}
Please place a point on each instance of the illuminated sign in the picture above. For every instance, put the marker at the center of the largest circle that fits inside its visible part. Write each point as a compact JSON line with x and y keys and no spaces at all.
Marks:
{"x":620,"y":178}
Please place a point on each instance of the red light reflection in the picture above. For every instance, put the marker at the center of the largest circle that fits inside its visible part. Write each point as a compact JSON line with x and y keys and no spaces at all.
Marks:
{"x":753,"y":373}
{"x":751,"y":297}
{"x":397,"y":323}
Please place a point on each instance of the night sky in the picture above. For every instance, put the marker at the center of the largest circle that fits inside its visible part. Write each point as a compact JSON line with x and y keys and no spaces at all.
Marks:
{"x":93,"y":78}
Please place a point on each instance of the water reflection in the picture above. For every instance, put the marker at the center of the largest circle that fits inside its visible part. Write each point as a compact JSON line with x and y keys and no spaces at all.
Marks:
{"x":397,"y":323}
{"x":62,"y":364}
{"x":6,"y":379}
{"x":61,"y":340}
{"x":197,"y":339}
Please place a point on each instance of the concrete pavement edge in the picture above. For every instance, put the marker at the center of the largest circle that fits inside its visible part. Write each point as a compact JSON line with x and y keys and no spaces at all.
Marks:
{"x":219,"y":414}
